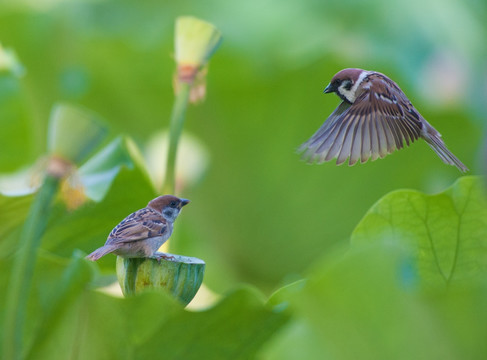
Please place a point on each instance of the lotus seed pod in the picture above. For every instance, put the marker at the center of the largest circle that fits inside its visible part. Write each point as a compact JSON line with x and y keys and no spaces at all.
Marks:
{"x":182,"y":277}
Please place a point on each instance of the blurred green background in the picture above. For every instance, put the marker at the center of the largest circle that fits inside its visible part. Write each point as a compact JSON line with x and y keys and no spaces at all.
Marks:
{"x":404,"y":280}
{"x":258,"y":215}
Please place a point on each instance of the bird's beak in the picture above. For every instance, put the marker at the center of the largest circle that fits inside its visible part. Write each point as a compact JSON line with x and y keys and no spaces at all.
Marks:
{"x":184,"y":202}
{"x":328,"y":89}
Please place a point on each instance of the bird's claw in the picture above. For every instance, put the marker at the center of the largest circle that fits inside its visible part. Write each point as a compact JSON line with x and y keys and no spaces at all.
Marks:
{"x":160,"y":256}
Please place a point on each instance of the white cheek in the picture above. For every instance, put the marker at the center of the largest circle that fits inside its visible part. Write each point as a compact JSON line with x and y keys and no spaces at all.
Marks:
{"x":348,"y":94}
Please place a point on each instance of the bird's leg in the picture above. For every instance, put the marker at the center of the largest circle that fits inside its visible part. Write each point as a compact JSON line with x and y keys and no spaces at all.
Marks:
{"x":160,"y":255}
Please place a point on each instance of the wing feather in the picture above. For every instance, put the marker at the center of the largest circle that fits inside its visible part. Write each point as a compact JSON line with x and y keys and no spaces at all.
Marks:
{"x":381,"y":136}
{"x":142,"y":224}
{"x":347,"y":141}
{"x":405,"y":131}
{"x":391,"y":142}
{"x":396,"y":134}
{"x":311,"y":146}
{"x":374,"y":137}
{"x":356,"y":147}
{"x":366,"y":148}
{"x":337,"y":139}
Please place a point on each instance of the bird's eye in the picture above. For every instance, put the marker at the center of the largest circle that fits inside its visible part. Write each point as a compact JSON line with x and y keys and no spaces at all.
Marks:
{"x":173,"y":203}
{"x":337,"y":82}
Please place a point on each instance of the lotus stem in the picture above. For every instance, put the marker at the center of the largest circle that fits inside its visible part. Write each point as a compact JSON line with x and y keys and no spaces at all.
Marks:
{"x":73,"y":134}
{"x":23,"y":268}
{"x":176,"y":128}
{"x":195,"y":41}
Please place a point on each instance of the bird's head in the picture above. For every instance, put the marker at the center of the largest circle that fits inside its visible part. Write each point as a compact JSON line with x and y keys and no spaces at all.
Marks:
{"x":168,"y":205}
{"x":347,"y":84}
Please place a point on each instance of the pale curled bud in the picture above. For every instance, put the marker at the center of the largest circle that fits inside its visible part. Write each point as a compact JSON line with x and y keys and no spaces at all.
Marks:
{"x":181,"y":277}
{"x":195,"y":41}
{"x":74,"y":132}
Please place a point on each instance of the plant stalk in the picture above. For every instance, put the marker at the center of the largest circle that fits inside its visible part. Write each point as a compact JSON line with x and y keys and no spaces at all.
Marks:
{"x":23,"y":268}
{"x":176,"y":128}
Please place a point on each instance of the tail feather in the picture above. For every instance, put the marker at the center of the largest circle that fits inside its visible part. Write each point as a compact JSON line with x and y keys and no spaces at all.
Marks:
{"x":439,"y":147}
{"x":98,"y":253}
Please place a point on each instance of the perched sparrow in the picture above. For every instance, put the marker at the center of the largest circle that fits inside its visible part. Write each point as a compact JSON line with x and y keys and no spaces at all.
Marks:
{"x":373,"y":120}
{"x":143,"y":232}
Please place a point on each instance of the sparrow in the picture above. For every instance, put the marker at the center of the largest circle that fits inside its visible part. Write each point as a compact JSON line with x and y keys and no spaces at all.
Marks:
{"x":143,"y":232}
{"x":374,"y":119}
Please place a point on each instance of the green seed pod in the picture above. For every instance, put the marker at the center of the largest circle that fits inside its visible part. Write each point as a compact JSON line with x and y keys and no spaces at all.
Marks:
{"x":182,"y":277}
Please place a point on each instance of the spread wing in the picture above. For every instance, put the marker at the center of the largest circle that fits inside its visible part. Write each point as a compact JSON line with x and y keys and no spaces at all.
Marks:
{"x":142,"y":224}
{"x":379,"y":122}
{"x":317,"y":138}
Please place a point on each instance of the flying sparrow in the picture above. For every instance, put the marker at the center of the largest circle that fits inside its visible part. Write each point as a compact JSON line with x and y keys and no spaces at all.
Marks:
{"x":373,"y":120}
{"x":143,"y":232}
